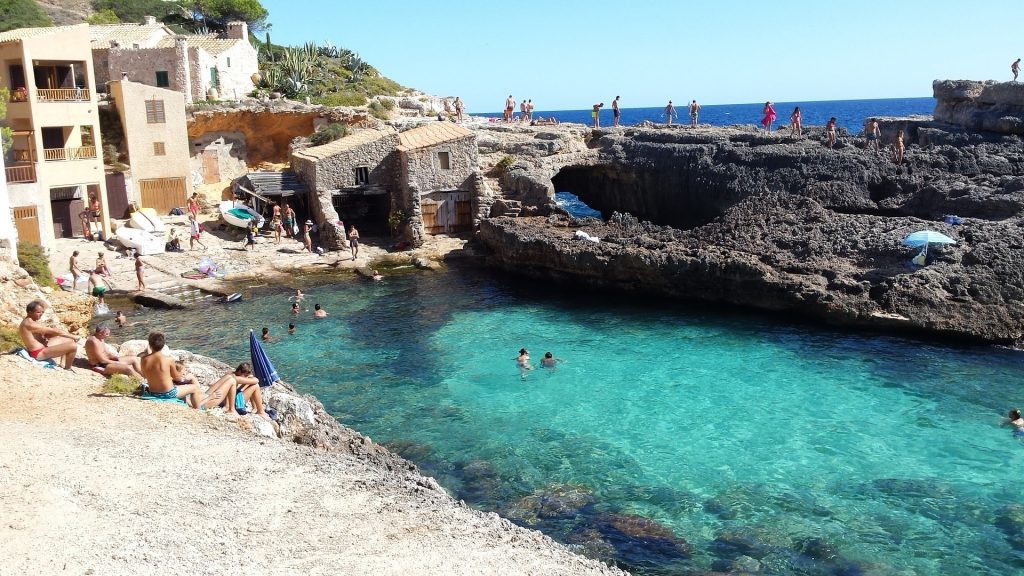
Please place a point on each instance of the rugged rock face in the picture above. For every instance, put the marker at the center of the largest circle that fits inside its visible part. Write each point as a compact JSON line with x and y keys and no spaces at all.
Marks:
{"x":782,"y":224}
{"x":991,"y":106}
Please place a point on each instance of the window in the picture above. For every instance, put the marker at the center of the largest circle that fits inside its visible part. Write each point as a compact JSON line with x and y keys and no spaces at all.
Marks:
{"x":155,"y":112}
{"x":214,"y":78}
{"x":362,"y":175}
{"x":87,"y":139}
{"x":159,"y":149}
{"x":229,"y":61}
{"x":161,"y":79}
{"x":444,"y":161}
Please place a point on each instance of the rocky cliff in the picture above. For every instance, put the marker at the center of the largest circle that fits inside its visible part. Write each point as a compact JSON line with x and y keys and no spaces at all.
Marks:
{"x":777,"y":223}
{"x":990,"y":106}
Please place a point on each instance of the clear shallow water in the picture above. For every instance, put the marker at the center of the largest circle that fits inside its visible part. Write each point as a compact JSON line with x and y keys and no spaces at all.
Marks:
{"x":741,"y":434}
{"x":850,"y":114}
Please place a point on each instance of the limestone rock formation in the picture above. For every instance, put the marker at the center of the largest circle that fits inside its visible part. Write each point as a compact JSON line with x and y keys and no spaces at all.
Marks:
{"x":990,"y":106}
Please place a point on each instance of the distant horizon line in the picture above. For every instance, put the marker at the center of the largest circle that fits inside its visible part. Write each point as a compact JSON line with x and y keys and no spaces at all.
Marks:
{"x":686,"y":103}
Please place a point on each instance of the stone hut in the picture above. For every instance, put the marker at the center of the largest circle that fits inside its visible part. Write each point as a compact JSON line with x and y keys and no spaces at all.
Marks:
{"x":353,"y":176}
{"x":437,"y":189}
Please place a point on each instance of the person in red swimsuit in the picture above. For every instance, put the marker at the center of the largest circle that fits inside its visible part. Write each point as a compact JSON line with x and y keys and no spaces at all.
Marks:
{"x":43,"y":342}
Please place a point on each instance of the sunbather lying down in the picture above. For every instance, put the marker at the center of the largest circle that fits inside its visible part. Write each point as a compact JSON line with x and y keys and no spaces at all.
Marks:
{"x":236,"y":391}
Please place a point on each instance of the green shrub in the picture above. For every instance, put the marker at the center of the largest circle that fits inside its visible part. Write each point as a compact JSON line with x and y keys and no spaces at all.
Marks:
{"x":9,"y":339}
{"x":380,"y":86}
{"x":503,"y":165}
{"x":121,"y":384}
{"x":36,"y":263}
{"x":346,"y":98}
{"x":329,"y":133}
{"x":388,"y":104}
{"x":378,"y":110}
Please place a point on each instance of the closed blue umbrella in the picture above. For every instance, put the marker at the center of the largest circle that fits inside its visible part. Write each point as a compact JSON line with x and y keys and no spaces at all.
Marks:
{"x":925,"y":237}
{"x":261,"y":365}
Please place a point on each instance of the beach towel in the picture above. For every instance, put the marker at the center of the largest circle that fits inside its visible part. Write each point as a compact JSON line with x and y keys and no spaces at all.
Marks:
{"x":22,"y":353}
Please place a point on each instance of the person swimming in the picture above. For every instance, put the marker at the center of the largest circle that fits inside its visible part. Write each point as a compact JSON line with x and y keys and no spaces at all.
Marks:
{"x":1014,"y":420}
{"x":295,"y":307}
{"x":548,"y":361}
{"x":298,"y":295}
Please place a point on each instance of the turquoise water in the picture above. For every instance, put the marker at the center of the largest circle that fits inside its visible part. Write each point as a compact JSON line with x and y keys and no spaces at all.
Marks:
{"x":813,"y":451}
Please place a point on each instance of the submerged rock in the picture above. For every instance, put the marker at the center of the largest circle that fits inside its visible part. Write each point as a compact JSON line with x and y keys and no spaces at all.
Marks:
{"x":640,"y":541}
{"x":555,"y":501}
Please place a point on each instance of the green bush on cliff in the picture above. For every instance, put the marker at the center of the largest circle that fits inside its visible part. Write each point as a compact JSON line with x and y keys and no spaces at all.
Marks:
{"x":346,"y":98}
{"x":9,"y":339}
{"x":378,"y":110}
{"x":121,"y":384}
{"x":16,"y":14}
{"x":36,"y":263}
{"x":503,"y":165}
{"x":329,"y":133}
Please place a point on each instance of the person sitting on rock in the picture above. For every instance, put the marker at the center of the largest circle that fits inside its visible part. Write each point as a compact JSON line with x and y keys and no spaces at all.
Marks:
{"x":236,"y":391}
{"x":164,"y":376}
{"x":42,"y":342}
{"x":102,"y":360}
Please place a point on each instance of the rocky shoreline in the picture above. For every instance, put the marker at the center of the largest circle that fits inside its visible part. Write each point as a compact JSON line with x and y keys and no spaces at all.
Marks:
{"x":768,"y":221}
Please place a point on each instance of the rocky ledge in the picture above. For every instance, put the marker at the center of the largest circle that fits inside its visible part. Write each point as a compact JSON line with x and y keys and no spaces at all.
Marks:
{"x":736,"y":216}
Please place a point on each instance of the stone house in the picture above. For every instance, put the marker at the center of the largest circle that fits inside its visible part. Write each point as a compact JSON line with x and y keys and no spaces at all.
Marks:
{"x":201,"y":66}
{"x":423,"y":180}
{"x":54,"y":167}
{"x":156,"y":139}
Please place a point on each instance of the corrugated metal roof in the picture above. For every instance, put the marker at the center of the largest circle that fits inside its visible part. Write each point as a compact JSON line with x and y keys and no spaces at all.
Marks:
{"x":22,"y":33}
{"x":345,"y":144}
{"x":430,"y":135}
{"x":284,"y":183}
{"x":127,"y":34}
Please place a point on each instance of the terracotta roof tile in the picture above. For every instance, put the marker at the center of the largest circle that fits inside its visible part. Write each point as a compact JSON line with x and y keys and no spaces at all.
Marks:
{"x":126,"y":34}
{"x":210,"y":43}
{"x":431,"y":135}
{"x":22,"y":33}
{"x":344,"y":144}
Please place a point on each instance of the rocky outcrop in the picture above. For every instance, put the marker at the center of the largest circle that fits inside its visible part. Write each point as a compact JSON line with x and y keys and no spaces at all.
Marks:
{"x":781,"y":224}
{"x":988,"y":106}
{"x":66,"y":310}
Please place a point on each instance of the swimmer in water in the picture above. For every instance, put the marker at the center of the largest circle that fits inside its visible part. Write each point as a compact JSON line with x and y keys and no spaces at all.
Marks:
{"x":523,"y":362}
{"x":298,"y":295}
{"x":291,"y":329}
{"x":548,"y":361}
{"x":319,"y":312}
{"x":1014,"y":420}
{"x":295,"y":307}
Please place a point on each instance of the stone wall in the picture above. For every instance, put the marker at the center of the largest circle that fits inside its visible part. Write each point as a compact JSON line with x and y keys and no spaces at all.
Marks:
{"x":142,"y":64}
{"x":230,"y":149}
{"x":236,"y":67}
{"x":421,"y":173}
{"x":985,"y":106}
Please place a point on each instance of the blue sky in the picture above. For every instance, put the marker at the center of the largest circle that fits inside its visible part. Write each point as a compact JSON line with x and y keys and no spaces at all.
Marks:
{"x":569,"y":54}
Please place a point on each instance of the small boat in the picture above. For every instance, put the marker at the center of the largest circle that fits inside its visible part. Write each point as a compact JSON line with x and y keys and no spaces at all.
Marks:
{"x":145,"y":243}
{"x":240,"y":215}
{"x":146,"y":219}
{"x":233,"y":297}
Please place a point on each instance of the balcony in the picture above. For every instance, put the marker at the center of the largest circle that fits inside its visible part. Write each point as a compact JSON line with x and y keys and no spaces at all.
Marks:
{"x":63,"y":95}
{"x":18,"y":174}
{"x":58,"y":154}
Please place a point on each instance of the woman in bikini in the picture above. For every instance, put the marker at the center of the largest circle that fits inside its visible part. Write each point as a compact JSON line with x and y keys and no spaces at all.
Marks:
{"x":898,"y":148}
{"x":794,"y":123}
{"x":140,"y":271}
{"x":830,"y":132}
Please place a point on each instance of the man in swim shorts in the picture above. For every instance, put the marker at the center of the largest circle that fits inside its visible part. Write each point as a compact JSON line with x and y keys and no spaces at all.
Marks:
{"x":595,"y":114}
{"x":510,"y":105}
{"x":43,"y":342}
{"x":694,"y":110}
{"x":99,"y":288}
{"x":102,"y":360}
{"x":615,"y":111}
{"x":161,"y":372}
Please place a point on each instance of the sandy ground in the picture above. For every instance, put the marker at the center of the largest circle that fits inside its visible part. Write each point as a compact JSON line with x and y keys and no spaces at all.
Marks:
{"x":268,"y":260}
{"x":91,"y":484}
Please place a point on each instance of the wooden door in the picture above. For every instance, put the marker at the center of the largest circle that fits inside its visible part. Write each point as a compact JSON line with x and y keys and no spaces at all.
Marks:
{"x":211,"y":167}
{"x":463,"y":216}
{"x":162,"y":194}
{"x":26,"y":221}
{"x":428,"y":211}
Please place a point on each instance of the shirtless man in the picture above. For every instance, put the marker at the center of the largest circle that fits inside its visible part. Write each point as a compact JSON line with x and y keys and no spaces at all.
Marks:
{"x":670,"y":111}
{"x":510,"y":105}
{"x":75,"y":270}
{"x":98,"y":287}
{"x":161,"y":373}
{"x":1015,"y":68}
{"x":871,"y":135}
{"x":319,"y":312}
{"x":522,"y":111}
{"x":694,"y":111}
{"x":105,"y":362}
{"x":458,"y":108}
{"x":43,"y":342}
{"x":615,"y":111}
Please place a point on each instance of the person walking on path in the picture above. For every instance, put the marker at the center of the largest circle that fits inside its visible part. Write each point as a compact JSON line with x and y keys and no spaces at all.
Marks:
{"x":1015,"y":68}
{"x":140,"y":272}
{"x":194,"y":232}
{"x":289,"y":221}
{"x":595,"y":114}
{"x":694,"y":110}
{"x":529,"y":110}
{"x":42,"y":342}
{"x":615,"y":111}
{"x":670,"y":111}
{"x":510,"y":105}
{"x":353,"y":242}
{"x":795,"y":128}
{"x":769,"y":116}
{"x":193,"y":204}
{"x":871,"y":135}
{"x":458,"y":109}
{"x":830,"y":132}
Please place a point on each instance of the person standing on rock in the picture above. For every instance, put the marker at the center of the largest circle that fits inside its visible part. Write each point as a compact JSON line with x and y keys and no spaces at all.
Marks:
{"x":615,"y":111}
{"x":871,"y":135}
{"x":75,"y":271}
{"x":289,"y":221}
{"x":353,"y":242}
{"x":98,"y":287}
{"x":1015,"y":68}
{"x":769,"y":117}
{"x":795,"y":127}
{"x":522,"y":112}
{"x":529,"y":110}
{"x":898,"y":148}
{"x":510,"y":105}
{"x":830,"y":132}
{"x":140,"y":272}
{"x":694,"y":110}
{"x":595,"y":114}
{"x":42,"y":342}
{"x":670,"y":111}
{"x":458,"y":109}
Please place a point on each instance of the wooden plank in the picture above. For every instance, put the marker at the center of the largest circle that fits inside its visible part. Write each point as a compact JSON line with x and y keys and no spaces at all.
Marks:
{"x":428,"y":212}
{"x":463,"y":216}
{"x":26,"y":221}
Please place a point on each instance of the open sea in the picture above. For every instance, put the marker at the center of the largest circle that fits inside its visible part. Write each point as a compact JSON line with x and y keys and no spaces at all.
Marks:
{"x":850,"y":114}
{"x":789,"y":448}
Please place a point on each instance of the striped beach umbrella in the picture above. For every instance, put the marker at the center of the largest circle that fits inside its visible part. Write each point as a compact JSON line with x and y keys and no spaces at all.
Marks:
{"x":261,"y":365}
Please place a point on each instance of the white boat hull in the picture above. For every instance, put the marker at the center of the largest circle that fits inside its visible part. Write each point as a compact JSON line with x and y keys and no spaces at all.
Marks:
{"x":225,"y":212}
{"x":145,"y":243}
{"x":146,"y":219}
